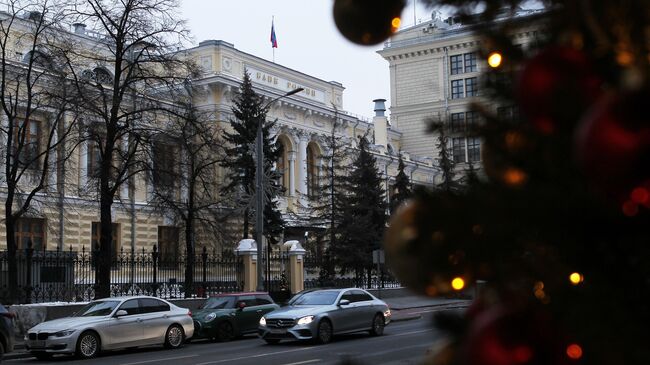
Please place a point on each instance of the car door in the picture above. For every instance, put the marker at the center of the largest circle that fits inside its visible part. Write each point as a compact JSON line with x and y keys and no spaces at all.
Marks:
{"x":155,"y":320}
{"x":344,"y":316}
{"x":124,"y":331}
{"x":247,"y":317}
{"x":265,"y":304}
{"x":365,"y":311}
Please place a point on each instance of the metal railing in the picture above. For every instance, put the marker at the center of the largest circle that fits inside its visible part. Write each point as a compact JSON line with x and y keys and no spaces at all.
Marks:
{"x":49,"y":276}
{"x":314,"y":277}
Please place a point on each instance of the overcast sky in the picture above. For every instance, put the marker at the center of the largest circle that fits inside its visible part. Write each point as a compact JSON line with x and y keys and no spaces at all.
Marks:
{"x":308,"y":41}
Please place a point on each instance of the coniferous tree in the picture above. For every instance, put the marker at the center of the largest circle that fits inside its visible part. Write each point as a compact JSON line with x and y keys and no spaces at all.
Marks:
{"x":327,"y":208}
{"x":248,"y":109}
{"x":402,"y":186}
{"x":364,"y":216}
{"x":445,"y":161}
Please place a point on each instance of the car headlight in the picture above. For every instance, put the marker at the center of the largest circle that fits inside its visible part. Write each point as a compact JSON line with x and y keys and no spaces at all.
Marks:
{"x":210,"y":317}
{"x":64,"y":333}
{"x":263,"y":322}
{"x":387,"y":313}
{"x":306,"y":320}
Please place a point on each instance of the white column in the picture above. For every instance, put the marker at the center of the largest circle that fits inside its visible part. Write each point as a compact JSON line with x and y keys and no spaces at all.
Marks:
{"x":291,"y":157}
{"x":4,"y":122}
{"x":52,"y":163}
{"x":83,"y":165}
{"x":184,"y":183}
{"x":302,"y":163}
{"x":124,"y":189}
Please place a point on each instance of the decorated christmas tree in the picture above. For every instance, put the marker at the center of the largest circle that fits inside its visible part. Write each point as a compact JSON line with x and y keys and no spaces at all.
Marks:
{"x":557,"y":227}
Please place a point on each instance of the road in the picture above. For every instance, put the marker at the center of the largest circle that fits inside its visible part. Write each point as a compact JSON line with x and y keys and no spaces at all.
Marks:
{"x":402,"y":343}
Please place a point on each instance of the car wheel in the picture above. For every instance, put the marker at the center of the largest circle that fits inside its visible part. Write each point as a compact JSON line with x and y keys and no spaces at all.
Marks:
{"x":174,"y":337}
{"x":324,"y":333}
{"x":88,"y":345}
{"x":42,"y":355}
{"x":272,"y":341}
{"x":377,"y":325}
{"x":225,"y":332}
{"x":2,"y":350}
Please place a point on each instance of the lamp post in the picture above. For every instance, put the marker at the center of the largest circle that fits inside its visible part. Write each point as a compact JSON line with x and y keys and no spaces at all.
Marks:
{"x":259,"y":188}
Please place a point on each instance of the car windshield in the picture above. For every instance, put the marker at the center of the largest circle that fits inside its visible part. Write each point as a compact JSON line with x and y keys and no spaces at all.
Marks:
{"x":101,"y":308}
{"x":219,"y":303}
{"x":317,"y":298}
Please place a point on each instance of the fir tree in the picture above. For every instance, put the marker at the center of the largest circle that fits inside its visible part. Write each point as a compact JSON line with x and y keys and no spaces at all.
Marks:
{"x":327,"y":208}
{"x":445,"y":161}
{"x":402,"y":186}
{"x":364,"y":216}
{"x":248,"y":108}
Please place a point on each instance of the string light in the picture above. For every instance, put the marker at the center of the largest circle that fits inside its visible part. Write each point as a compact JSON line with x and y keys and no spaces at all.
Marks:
{"x":574,"y":351}
{"x":458,"y":283}
{"x":494,"y":59}
{"x":576,"y":278}
{"x":396,"y":22}
{"x":514,"y":176}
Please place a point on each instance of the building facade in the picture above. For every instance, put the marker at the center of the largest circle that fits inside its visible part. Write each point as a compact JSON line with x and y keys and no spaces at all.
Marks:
{"x":68,"y":219}
{"x":435,"y":75}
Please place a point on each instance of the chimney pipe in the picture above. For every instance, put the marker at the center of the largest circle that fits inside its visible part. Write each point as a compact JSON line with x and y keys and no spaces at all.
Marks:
{"x":380,"y":107}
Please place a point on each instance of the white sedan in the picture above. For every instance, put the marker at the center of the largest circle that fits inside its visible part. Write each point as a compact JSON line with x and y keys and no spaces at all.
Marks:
{"x":112,"y":323}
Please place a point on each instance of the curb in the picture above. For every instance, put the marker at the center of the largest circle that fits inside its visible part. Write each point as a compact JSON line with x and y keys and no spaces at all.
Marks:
{"x":406,"y":318}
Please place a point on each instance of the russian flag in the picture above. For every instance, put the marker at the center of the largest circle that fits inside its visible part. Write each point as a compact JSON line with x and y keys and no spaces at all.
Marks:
{"x":274,"y":40}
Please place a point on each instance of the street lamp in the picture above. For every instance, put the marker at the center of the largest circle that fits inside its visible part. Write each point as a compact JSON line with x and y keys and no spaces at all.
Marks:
{"x":259,"y":189}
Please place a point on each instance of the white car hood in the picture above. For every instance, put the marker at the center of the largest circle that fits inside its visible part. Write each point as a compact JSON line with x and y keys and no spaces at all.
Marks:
{"x":66,"y":323}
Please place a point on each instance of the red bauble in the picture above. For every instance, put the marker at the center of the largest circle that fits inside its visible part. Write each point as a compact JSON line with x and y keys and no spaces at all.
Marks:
{"x":555,"y":87}
{"x":613,"y":144}
{"x":367,"y":22}
{"x":508,"y":336}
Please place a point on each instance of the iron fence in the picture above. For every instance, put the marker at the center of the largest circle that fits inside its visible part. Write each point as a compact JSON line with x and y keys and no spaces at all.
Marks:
{"x":48,"y":276}
{"x":317,"y":276}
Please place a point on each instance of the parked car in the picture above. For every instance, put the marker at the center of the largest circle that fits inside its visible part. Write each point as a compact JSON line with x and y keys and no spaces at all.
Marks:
{"x":320,"y":314}
{"x":226,"y":316}
{"x":6,"y":331}
{"x":109,"y":324}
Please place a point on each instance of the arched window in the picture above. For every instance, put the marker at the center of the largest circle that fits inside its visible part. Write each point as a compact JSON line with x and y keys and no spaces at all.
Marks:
{"x":40,"y":59}
{"x":99,"y":75}
{"x":312,"y":170}
{"x":282,"y":165}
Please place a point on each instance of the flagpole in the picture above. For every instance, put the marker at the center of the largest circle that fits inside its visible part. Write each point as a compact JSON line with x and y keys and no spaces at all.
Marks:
{"x":273,"y":48}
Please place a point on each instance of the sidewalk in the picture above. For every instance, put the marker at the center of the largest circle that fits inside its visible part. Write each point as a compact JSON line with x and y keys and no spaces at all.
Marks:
{"x":402,"y":309}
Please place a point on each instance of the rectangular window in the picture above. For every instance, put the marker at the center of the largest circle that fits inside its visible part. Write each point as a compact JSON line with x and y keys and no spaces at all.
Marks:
{"x":457,"y":122}
{"x":456,"y":64}
{"x":96,"y":236}
{"x":471,"y":120}
{"x":458,"y":149}
{"x":164,"y":165}
{"x":470,"y":62}
{"x":473,"y":149}
{"x":471,"y":87}
{"x":27,"y":144}
{"x":457,"y":89}
{"x":168,"y":246}
{"x":507,"y":113}
{"x":94,"y":160}
{"x":30,"y":229}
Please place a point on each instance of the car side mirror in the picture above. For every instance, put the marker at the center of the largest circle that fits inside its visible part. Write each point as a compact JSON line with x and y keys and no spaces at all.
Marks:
{"x":121,"y":313}
{"x":343,"y":302}
{"x":241,"y":305}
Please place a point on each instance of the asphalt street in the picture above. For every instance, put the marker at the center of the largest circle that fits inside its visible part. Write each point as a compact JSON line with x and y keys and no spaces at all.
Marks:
{"x":402,"y":343}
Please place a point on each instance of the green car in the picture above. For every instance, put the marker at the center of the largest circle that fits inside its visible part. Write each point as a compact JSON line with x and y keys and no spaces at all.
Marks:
{"x":225,"y":316}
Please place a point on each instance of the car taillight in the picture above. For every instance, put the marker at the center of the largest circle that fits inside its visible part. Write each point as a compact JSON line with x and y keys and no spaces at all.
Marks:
{"x":8,"y":315}
{"x":189,"y":313}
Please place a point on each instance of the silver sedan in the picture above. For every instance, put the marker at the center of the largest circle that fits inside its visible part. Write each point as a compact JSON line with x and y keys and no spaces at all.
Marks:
{"x":318,"y":315}
{"x":112,"y":323}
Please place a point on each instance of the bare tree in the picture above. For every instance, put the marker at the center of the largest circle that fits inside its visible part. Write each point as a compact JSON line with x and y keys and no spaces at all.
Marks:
{"x":37,"y":115}
{"x":182,"y":170}
{"x":122,"y":81}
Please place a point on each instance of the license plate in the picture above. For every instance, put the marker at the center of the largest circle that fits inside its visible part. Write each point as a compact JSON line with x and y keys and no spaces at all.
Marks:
{"x":38,"y":344}
{"x":277,"y":331}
